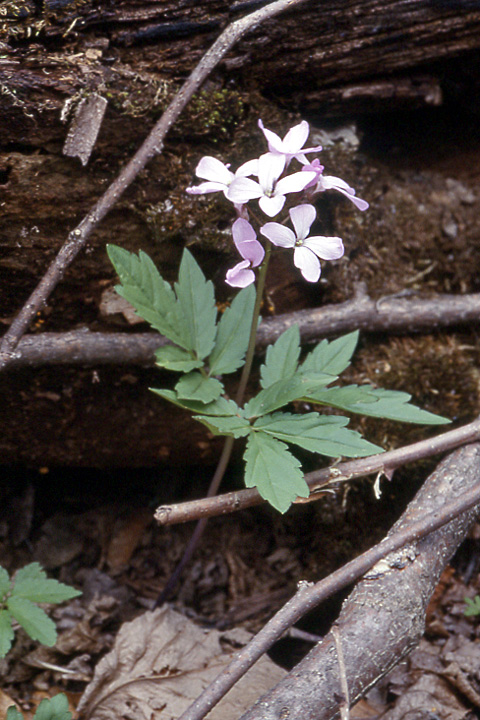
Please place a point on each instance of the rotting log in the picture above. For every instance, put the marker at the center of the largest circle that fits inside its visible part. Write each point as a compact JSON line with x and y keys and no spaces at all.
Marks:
{"x":383,"y":619}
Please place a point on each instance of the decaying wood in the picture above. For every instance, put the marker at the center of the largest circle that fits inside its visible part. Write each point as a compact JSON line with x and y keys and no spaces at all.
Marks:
{"x":389,"y":314}
{"x":382,"y":620}
{"x":384,"y":617}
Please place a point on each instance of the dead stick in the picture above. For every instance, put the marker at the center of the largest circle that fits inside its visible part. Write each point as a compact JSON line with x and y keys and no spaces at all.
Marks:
{"x":242,"y":499}
{"x":82,"y":347}
{"x":151,"y":147}
{"x":309,"y":596}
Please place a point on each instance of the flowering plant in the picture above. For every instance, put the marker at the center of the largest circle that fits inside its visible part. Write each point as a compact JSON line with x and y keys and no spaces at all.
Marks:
{"x":205,"y":350}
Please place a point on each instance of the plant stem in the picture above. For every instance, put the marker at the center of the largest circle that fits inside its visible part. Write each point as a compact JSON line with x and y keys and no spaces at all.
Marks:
{"x":228,"y":445}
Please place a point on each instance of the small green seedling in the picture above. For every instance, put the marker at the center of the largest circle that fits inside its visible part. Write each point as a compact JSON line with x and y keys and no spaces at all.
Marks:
{"x":17,"y":597}
{"x":473,"y":606}
{"x":55,"y":708}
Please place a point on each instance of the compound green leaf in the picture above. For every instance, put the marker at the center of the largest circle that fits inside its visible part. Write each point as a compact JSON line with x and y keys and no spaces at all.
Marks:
{"x":196,"y":300}
{"x":221,"y":406}
{"x":33,"y":620}
{"x":14,"y":714}
{"x":31,"y":582}
{"x":377,"y":402}
{"x":4,"y":582}
{"x":152,"y":297}
{"x":196,"y":386}
{"x":331,"y":357}
{"x":55,"y":708}
{"x":172,"y":357}
{"x":274,"y":471}
{"x":6,"y":632}
{"x":282,"y":358}
{"x":285,"y":391}
{"x":323,"y":434}
{"x":234,"y":426}
{"x":233,"y":334}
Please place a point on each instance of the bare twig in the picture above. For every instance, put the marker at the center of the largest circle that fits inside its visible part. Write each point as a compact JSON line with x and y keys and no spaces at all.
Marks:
{"x":318,"y":480}
{"x":345,"y":701}
{"x":151,"y":147}
{"x":309,"y":596}
{"x":82,"y":347}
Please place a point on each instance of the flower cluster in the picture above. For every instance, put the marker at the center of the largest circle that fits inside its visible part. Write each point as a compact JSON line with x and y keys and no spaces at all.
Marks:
{"x":265,"y":179}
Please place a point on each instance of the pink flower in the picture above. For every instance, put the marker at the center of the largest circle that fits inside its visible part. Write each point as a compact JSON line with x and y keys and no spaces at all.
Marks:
{"x":269,"y":189}
{"x":292,"y":144}
{"x":251,"y":251}
{"x":330,"y":182}
{"x":218,"y":175}
{"x":307,"y":249}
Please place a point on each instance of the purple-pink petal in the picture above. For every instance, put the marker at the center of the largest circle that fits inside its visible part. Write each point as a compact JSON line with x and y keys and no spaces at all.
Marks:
{"x":302,"y":217}
{"x":240,"y":275}
{"x":308,"y":263}
{"x":278,"y":234}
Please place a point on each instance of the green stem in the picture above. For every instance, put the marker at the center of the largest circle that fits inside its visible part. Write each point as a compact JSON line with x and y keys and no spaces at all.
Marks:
{"x":228,"y":445}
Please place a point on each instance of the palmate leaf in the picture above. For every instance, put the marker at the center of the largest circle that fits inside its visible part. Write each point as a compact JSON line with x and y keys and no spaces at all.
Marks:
{"x":274,"y":471}
{"x":195,"y":386}
{"x":376,"y":402}
{"x":6,"y":632}
{"x":4,"y":582}
{"x":233,"y":334}
{"x":323,"y":434}
{"x":31,"y":582}
{"x":34,"y":621}
{"x":283,"y":392}
{"x":282,"y":358}
{"x":221,"y":406}
{"x":196,"y":301}
{"x":331,"y":356}
{"x":55,"y":708}
{"x":152,"y":297}
{"x":234,"y":426}
{"x":172,"y":357}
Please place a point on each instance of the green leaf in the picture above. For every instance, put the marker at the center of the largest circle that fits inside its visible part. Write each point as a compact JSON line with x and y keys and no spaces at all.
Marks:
{"x":233,"y":426}
{"x":221,"y":406}
{"x":55,"y":708}
{"x":196,"y":300}
{"x":282,"y":358}
{"x":31,"y":582}
{"x":152,"y":297}
{"x":34,"y":621}
{"x":14,"y":714}
{"x":6,"y":632}
{"x":172,"y":357}
{"x":331,"y":357}
{"x":324,"y":434}
{"x":377,"y":402}
{"x":283,"y":392}
{"x":4,"y":583}
{"x":233,"y":334}
{"x":274,"y":471}
{"x":195,"y":386}
{"x":473,"y":606}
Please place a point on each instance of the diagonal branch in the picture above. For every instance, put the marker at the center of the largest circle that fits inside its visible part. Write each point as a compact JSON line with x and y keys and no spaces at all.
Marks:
{"x":320,"y":479}
{"x":419,"y":521}
{"x":151,"y":147}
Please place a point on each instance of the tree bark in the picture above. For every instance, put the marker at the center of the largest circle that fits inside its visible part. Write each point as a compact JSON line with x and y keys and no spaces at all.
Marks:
{"x":383,"y":619}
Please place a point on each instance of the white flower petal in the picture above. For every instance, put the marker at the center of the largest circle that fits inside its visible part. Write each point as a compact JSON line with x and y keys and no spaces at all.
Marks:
{"x":308,"y":263}
{"x":270,"y":167}
{"x":248,"y":168}
{"x":243,"y":189}
{"x":296,"y":138}
{"x":327,"y":248}
{"x":294,"y":183}
{"x":302,"y":217}
{"x":271,"y":206}
{"x":209,"y":168}
{"x":278,"y":234}
{"x":274,"y":141}
{"x":206,"y":187}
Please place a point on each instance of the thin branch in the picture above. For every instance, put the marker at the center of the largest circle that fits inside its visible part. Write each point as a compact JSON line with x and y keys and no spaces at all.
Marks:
{"x":320,"y":479}
{"x":345,"y":702}
{"x":82,"y":347}
{"x":309,"y":596}
{"x":151,"y":147}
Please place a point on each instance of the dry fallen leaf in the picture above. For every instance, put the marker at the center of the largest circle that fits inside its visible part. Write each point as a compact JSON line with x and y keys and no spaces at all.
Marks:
{"x":159,"y":665}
